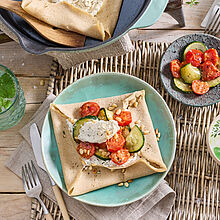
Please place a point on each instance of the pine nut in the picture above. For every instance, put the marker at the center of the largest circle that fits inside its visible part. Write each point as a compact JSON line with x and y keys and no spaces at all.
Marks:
{"x":85,"y":151}
{"x":90,"y":167}
{"x":81,"y":151}
{"x":158,"y":135}
{"x":88,"y":152}
{"x":138,"y":122}
{"x":118,"y":119}
{"x":42,"y":82}
{"x":120,"y":184}
{"x":114,"y":105}
{"x":111,"y":108}
{"x":118,"y":111}
{"x":126,"y":184}
{"x":146,"y":132}
{"x":123,"y":170}
{"x":135,"y":104}
{"x":142,"y":127}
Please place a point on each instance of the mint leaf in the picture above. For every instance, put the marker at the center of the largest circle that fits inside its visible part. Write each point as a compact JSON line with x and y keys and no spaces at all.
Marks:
{"x":7,"y":104}
{"x":7,"y":86}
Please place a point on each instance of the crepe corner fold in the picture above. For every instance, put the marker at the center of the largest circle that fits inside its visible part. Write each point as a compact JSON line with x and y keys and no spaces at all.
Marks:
{"x":66,"y":16}
{"x":78,"y":180}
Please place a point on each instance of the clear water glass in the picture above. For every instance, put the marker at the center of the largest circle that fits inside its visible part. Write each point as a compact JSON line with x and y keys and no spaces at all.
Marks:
{"x":14,"y":112}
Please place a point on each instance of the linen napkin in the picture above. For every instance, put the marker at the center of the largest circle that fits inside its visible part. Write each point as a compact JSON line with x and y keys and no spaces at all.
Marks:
{"x":69,"y":59}
{"x":156,"y":205}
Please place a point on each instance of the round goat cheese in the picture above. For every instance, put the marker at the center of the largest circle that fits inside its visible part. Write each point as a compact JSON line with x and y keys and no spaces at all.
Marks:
{"x":98,"y":131}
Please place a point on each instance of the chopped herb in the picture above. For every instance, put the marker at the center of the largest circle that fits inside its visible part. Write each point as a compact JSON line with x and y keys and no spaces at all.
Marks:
{"x":192,"y":2}
{"x":5,"y":103}
{"x":7,"y":86}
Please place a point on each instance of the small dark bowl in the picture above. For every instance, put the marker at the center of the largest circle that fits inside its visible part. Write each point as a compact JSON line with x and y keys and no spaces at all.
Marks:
{"x":175,"y":51}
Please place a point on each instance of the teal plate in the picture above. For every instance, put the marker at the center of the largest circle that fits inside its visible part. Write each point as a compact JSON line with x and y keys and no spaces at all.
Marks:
{"x":101,"y":86}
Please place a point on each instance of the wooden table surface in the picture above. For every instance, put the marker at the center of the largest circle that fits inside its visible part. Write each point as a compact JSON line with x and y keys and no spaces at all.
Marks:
{"x":32,"y":69}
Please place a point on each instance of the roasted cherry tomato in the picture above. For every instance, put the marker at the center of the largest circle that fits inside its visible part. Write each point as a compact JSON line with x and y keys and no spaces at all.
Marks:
{"x":116,"y":142}
{"x":200,"y":87}
{"x":195,"y":57}
{"x":211,"y":55}
{"x":183,"y":64}
{"x":102,"y":145}
{"x":86,"y":150}
{"x":89,"y":108}
{"x":209,"y":71}
{"x":175,"y":68}
{"x":120,"y":157}
{"x":123,"y":118}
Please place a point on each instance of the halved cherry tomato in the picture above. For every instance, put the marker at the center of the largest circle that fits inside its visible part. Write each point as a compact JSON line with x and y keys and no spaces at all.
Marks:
{"x":211,"y":55}
{"x":116,"y":142}
{"x":175,"y":68}
{"x":89,"y":108}
{"x":195,"y":57}
{"x":120,"y":157}
{"x":183,"y":64}
{"x":86,"y":150}
{"x":200,"y":87}
{"x":124,"y":118}
{"x":209,"y":71}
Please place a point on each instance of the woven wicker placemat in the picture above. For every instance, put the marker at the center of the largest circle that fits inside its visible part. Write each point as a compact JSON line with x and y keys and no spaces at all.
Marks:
{"x":194,"y":175}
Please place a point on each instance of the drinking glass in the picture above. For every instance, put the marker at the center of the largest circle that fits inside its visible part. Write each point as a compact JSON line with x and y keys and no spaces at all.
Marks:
{"x":11,"y":108}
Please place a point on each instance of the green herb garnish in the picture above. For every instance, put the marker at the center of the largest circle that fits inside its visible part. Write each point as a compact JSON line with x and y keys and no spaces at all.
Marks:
{"x":5,"y":103}
{"x":192,"y":2}
{"x":7,"y":86}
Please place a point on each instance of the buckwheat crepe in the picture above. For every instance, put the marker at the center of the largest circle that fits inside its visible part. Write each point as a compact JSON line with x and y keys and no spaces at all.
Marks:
{"x":94,"y":18}
{"x":77,"y":179}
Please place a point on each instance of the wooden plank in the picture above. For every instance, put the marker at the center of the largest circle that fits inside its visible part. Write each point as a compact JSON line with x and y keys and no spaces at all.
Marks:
{"x":159,"y":35}
{"x":34,"y":91}
{"x":23,"y":63}
{"x":15,"y":207}
{"x":9,"y":182}
{"x":193,"y":17}
{"x":11,"y":138}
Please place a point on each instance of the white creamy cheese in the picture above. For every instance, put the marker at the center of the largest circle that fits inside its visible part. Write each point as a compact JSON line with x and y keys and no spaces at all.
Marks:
{"x":90,"y":6}
{"x":98,"y":131}
{"x":109,"y":163}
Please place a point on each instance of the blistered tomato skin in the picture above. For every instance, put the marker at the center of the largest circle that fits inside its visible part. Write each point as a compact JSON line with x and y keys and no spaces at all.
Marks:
{"x":195,"y":57}
{"x":212,"y":55}
{"x":209,"y":71}
{"x":116,"y":142}
{"x":124,"y":118}
{"x":89,"y":108}
{"x":200,"y":87}
{"x":175,"y":68}
{"x":120,"y":157}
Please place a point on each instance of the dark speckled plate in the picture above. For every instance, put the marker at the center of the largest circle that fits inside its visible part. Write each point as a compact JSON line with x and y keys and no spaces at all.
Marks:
{"x":175,"y":51}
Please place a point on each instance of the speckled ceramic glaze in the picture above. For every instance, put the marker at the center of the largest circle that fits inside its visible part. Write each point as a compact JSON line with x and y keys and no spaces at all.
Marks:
{"x":175,"y":51}
{"x":107,"y":85}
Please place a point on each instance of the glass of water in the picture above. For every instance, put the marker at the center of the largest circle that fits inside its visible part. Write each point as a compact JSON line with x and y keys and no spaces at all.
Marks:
{"x":12,"y":101}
